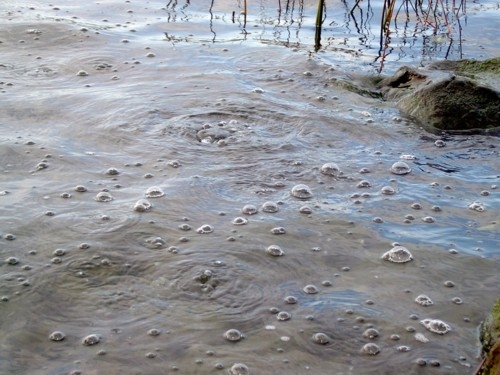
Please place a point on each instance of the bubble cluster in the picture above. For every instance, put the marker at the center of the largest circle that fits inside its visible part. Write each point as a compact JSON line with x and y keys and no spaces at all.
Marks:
{"x":233,"y":335}
{"x":436,"y":326}
{"x":301,"y":191}
{"x":398,"y":254}
{"x":154,"y":192}
{"x":400,"y":168}
{"x":424,"y":300}
{"x":275,"y":251}
{"x":330,"y":169}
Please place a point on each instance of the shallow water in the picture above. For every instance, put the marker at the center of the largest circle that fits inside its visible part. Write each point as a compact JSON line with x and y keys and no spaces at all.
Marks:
{"x":218,"y":126}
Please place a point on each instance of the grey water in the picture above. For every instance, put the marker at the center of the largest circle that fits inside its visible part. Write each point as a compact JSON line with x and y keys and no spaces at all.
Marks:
{"x":135,"y":137}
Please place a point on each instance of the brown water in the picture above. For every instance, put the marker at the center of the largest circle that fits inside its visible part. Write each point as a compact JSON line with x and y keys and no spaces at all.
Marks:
{"x":270,"y":122}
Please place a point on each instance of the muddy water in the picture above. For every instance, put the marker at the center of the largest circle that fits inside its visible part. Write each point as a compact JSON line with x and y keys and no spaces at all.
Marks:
{"x":95,"y":99}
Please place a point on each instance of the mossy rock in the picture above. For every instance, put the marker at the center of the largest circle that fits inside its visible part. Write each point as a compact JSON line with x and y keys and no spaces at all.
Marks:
{"x":470,"y":66}
{"x":454,"y":104}
{"x":490,"y":339}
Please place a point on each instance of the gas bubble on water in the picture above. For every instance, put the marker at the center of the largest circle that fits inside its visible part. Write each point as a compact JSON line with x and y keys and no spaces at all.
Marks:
{"x":84,"y":246}
{"x":364,"y":184}
{"x":103,"y":196}
{"x":270,"y":207}
{"x":274,"y":310}
{"x":82,"y":73}
{"x":436,"y":208}
{"x":12,"y":261}
{"x":484,"y":193}
{"x":394,"y":337}
{"x":371,"y":333}
{"x":275,"y":251}
{"x":154,"y":192}
{"x":283,"y":316}
{"x":366,"y":195}
{"x":424,"y":300}
{"x":449,"y":284}
{"x":370,"y":349}
{"x":301,"y":191}
{"x":436,"y":326}
{"x":321,"y":338}
{"x":410,"y":329}
{"x":233,"y":335}
{"x":387,"y":190}
{"x":421,"y":362}
{"x":403,"y":348}
{"x":9,"y":237}
{"x":428,"y":219}
{"x":56,"y":260}
{"x":142,"y":205}
{"x":291,"y":300}
{"x":185,"y":227}
{"x":57,"y":336}
{"x":310,"y":289}
{"x":173,"y":249}
{"x":305,"y":210}
{"x":91,"y":339}
{"x":59,"y":252}
{"x":378,"y":220}
{"x":240,"y":221}
{"x":249,"y":209}
{"x":400,"y":168}
{"x":205,"y":228}
{"x":330,"y":169}
{"x":239,"y":369}
{"x":398,"y":254}
{"x":364,"y":170}
{"x":112,"y":172}
{"x":416,"y":206}
{"x":457,"y":300}
{"x":326,"y":283}
{"x":476,"y":206}
{"x":439,"y":143}
{"x":80,"y":188}
{"x":278,"y":230}
{"x":413,"y":317}
{"x":346,"y":269}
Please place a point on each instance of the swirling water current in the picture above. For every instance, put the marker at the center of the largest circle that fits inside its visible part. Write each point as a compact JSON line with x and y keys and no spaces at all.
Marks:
{"x":95,"y":98}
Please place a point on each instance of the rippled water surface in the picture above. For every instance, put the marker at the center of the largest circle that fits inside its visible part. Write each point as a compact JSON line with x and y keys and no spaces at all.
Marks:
{"x":97,"y":99}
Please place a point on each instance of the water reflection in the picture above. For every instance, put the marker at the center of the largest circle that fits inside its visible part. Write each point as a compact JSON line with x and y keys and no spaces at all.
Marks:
{"x":405,"y":31}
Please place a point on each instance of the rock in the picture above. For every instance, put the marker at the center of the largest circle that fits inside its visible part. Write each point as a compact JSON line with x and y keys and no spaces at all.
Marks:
{"x":448,"y":100}
{"x":454,"y":103}
{"x":490,"y":340}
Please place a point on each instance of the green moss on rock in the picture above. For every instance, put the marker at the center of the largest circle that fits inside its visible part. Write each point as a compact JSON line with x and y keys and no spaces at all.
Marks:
{"x":490,"y":339}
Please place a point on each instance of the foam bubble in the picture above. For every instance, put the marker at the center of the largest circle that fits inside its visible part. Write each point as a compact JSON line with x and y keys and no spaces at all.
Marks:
{"x":476,"y":206}
{"x":398,"y":254}
{"x":275,"y":251}
{"x":436,"y":326}
{"x":424,"y":300}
